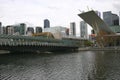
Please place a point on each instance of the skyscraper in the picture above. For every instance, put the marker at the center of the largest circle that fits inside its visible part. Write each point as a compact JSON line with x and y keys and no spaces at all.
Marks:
{"x":110,"y":19}
{"x":83,"y":29}
{"x":73,"y":28}
{"x":22,"y":28}
{"x":0,"y":27}
{"x":30,"y":30}
{"x":10,"y":30}
{"x":38,"y":29}
{"x":4,"y":30}
{"x":46,"y":23}
{"x":119,"y":18}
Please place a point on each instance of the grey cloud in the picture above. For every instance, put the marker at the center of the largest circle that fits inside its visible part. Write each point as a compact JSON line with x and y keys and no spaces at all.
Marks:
{"x":53,"y":7}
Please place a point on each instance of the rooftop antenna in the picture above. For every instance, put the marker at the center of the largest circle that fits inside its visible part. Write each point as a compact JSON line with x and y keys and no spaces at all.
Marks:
{"x":81,"y":11}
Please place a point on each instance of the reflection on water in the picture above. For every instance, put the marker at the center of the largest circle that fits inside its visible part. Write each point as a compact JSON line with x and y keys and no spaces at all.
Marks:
{"x":85,"y":65}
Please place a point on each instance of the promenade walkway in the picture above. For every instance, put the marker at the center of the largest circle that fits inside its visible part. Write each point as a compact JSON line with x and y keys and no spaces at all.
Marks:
{"x":100,"y":49}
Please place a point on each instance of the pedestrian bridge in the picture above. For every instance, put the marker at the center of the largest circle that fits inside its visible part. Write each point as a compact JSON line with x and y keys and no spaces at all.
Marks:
{"x":35,"y":43}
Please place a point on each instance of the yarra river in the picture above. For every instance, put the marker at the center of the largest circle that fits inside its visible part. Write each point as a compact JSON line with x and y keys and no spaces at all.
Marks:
{"x":82,"y":65}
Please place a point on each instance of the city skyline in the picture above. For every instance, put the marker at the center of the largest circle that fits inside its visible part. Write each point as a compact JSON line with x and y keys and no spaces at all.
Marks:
{"x":60,"y":13}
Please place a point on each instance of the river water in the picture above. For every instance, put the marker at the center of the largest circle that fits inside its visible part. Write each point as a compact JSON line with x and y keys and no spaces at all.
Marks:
{"x":82,"y":65}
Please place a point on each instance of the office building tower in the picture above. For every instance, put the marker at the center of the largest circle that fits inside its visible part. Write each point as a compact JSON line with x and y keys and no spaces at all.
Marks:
{"x":38,"y":29}
{"x":16,"y":30}
{"x":110,"y":19}
{"x":46,"y":23}
{"x":107,"y":17}
{"x":30,"y":30}
{"x":83,"y":29}
{"x":67,"y":31}
{"x":0,"y":27}
{"x":115,"y":19}
{"x":119,"y":18}
{"x":7,"y":29}
{"x":10,"y":30}
{"x":73,"y":29}
{"x":4,"y":30}
{"x":22,"y":28}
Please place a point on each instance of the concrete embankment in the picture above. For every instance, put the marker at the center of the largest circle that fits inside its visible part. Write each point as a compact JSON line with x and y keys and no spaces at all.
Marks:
{"x":99,"y":49}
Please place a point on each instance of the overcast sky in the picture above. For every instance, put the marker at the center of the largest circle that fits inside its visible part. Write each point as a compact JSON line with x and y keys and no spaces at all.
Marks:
{"x":59,"y":12}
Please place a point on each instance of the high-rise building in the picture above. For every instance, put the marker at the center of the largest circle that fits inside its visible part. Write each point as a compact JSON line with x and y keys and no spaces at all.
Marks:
{"x":4,"y":30}
{"x":38,"y":29}
{"x":73,"y":29}
{"x":119,"y":18}
{"x":16,"y":30}
{"x":30,"y":30}
{"x":107,"y":17}
{"x":115,"y":19}
{"x":46,"y":23}
{"x":67,"y":31}
{"x":110,"y":19}
{"x":10,"y":30}
{"x":19,"y":29}
{"x":0,"y":27}
{"x":22,"y":28}
{"x":83,"y":29}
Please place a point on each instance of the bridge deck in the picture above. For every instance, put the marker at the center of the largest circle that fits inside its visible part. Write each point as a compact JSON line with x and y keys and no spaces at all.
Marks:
{"x":27,"y":43}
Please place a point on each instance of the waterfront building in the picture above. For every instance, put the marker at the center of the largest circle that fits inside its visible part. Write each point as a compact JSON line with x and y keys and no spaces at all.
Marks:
{"x":83,"y":29}
{"x":19,"y":29}
{"x":10,"y":30}
{"x":4,"y":30}
{"x":110,"y":19}
{"x":38,"y":29}
{"x":30,"y":30}
{"x":57,"y":31}
{"x":115,"y":29}
{"x":119,"y":18}
{"x":67,"y":31}
{"x":16,"y":30}
{"x":73,"y":29}
{"x":0,"y":27}
{"x":22,"y":28}
{"x":46,"y":23}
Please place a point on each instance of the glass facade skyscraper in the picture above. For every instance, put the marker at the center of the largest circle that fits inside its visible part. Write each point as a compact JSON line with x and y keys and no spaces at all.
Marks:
{"x":83,"y":29}
{"x":73,"y":28}
{"x":110,"y":19}
{"x":22,"y":28}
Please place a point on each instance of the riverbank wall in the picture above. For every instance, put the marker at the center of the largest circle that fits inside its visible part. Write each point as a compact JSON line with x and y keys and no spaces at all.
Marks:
{"x":99,"y":49}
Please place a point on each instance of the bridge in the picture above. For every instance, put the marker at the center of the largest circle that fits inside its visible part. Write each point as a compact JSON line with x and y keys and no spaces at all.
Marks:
{"x":15,"y":43}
